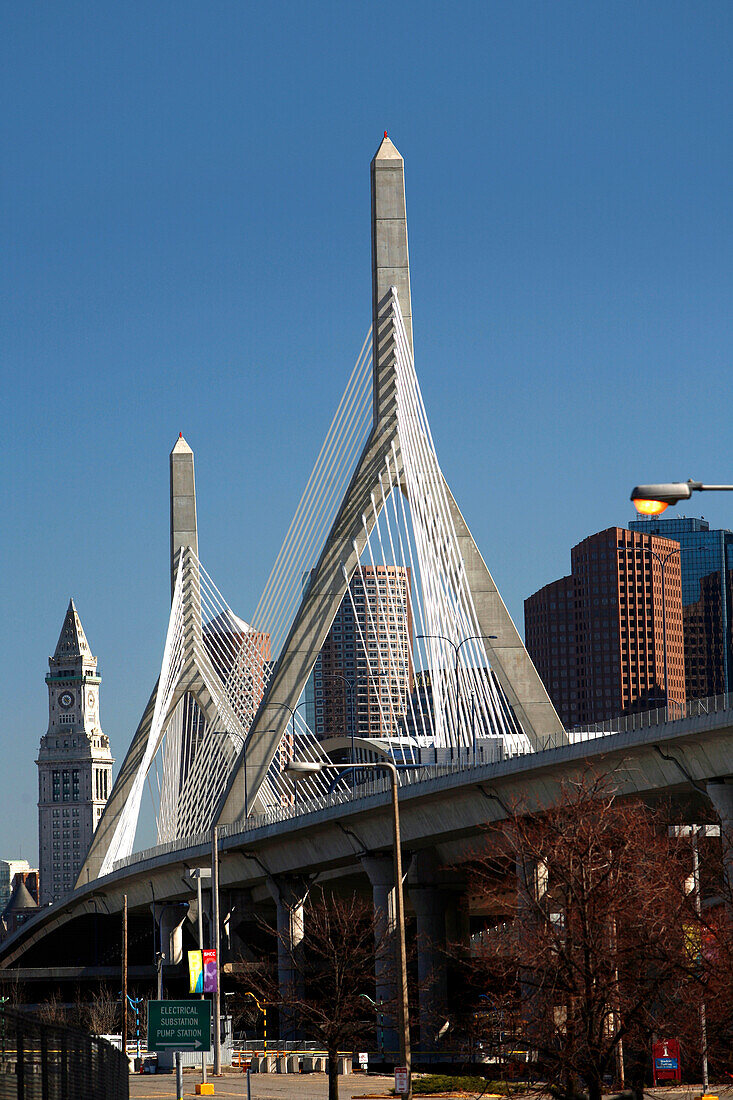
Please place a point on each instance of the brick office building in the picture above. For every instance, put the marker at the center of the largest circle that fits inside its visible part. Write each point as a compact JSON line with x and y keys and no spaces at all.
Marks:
{"x":597,"y":636}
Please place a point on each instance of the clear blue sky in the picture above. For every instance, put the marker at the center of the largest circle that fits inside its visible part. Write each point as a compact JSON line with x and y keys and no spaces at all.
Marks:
{"x":184,"y":218}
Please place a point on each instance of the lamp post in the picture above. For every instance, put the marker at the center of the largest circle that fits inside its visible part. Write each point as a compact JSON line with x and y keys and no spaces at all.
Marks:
{"x":290,"y":710}
{"x":377,"y":1006}
{"x":457,"y":650}
{"x":198,"y":873}
{"x":308,"y":767}
{"x":652,"y":500}
{"x":695,"y":831}
{"x":217,"y":947}
{"x":662,"y":559}
{"x":350,"y":685}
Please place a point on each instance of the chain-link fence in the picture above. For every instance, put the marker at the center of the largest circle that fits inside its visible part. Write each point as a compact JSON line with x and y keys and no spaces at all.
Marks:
{"x":50,"y":1062}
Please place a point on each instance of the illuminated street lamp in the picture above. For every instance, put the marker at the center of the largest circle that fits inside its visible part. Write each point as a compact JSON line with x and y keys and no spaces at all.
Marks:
{"x":652,"y":500}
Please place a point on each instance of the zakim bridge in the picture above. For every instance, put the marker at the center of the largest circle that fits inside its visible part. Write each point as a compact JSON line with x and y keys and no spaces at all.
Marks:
{"x":228,"y":713}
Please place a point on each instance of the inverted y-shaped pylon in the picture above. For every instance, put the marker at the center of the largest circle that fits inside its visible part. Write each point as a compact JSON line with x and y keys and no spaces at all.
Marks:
{"x":384,"y":454}
{"x":208,"y":777}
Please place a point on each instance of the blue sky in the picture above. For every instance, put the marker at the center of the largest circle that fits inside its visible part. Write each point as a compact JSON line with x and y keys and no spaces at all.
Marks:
{"x":184,"y":224}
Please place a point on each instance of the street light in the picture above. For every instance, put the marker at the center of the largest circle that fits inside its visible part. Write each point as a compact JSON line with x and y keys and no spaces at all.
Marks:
{"x":350,"y":685}
{"x":652,"y":500}
{"x":313,"y":767}
{"x":695,"y":831}
{"x":377,"y":1006}
{"x":662,"y":559}
{"x":291,"y":711}
{"x":243,"y":744}
{"x":457,"y":651}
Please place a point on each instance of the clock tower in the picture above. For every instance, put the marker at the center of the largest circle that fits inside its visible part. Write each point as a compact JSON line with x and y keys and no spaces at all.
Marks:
{"x":74,"y":762}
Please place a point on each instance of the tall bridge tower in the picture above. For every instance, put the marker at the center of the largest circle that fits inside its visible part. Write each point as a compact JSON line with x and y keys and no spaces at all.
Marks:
{"x":74,"y":762}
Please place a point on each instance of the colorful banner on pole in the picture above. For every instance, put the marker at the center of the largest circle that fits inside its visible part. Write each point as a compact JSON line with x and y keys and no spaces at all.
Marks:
{"x":195,"y":972}
{"x":209,"y":961}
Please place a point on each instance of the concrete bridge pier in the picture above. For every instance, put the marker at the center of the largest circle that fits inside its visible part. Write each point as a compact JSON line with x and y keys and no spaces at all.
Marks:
{"x":720,"y":793}
{"x":169,"y":920}
{"x":532,"y":884}
{"x":238,"y":908}
{"x":431,"y":898}
{"x":380,"y":869}
{"x":289,"y":894}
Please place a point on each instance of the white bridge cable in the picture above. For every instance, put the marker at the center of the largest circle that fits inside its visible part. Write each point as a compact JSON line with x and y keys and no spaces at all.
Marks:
{"x":323,"y":493}
{"x":491,"y":710}
{"x":123,"y":837}
{"x":449,"y":601}
{"x":304,"y":555}
{"x":427,"y":702}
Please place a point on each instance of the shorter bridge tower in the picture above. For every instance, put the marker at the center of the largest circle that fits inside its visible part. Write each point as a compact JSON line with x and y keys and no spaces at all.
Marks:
{"x":74,"y":762}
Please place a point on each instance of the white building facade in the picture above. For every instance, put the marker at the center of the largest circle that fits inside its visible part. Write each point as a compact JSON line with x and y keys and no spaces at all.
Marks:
{"x":74,"y":762}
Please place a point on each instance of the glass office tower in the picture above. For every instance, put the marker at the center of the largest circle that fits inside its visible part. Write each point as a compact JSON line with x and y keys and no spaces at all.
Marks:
{"x":707,"y":603}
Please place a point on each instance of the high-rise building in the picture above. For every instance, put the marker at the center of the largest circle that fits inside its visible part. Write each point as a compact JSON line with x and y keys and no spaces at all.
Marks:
{"x":346,"y":692}
{"x":74,"y":762}
{"x":707,"y":600}
{"x":597,"y":636}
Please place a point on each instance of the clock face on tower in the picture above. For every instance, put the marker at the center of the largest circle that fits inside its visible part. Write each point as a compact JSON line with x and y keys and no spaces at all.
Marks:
{"x":66,"y":700}
{"x":90,"y":700}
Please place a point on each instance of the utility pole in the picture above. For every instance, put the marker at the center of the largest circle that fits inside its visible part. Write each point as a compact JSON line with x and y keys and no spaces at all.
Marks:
{"x":201,"y":947}
{"x":217,"y":945}
{"x":694,"y":832}
{"x":124,"y":974}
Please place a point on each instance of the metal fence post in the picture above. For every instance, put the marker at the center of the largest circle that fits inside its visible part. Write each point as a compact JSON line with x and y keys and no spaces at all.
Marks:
{"x":44,"y":1065}
{"x":64,"y":1067}
{"x":20,"y":1063}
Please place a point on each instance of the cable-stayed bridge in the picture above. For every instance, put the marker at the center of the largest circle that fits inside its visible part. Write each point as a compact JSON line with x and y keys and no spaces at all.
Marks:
{"x":378,"y":531}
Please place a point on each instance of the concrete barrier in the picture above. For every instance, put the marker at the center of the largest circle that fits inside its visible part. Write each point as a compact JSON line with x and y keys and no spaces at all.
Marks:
{"x":293,"y":1064}
{"x":345,"y":1064}
{"x":282,"y":1063}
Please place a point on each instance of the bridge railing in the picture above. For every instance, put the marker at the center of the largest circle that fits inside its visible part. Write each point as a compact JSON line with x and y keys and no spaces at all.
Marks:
{"x":415,"y":774}
{"x":692,"y":708}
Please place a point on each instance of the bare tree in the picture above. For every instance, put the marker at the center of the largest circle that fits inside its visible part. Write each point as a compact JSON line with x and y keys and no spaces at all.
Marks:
{"x":53,"y":1010}
{"x":593,"y":956}
{"x":101,"y":1013}
{"x":334,"y":968}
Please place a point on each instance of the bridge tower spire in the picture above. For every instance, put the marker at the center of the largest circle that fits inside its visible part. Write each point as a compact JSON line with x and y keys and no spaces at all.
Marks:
{"x":183,"y":504}
{"x":390,"y":268}
{"x":360,"y":508}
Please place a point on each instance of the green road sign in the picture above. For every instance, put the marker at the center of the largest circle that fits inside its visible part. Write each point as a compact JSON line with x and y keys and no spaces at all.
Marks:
{"x":179,"y":1025}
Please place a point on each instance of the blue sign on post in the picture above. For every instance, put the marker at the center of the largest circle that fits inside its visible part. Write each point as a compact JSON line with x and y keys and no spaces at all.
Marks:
{"x":666,"y":1063}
